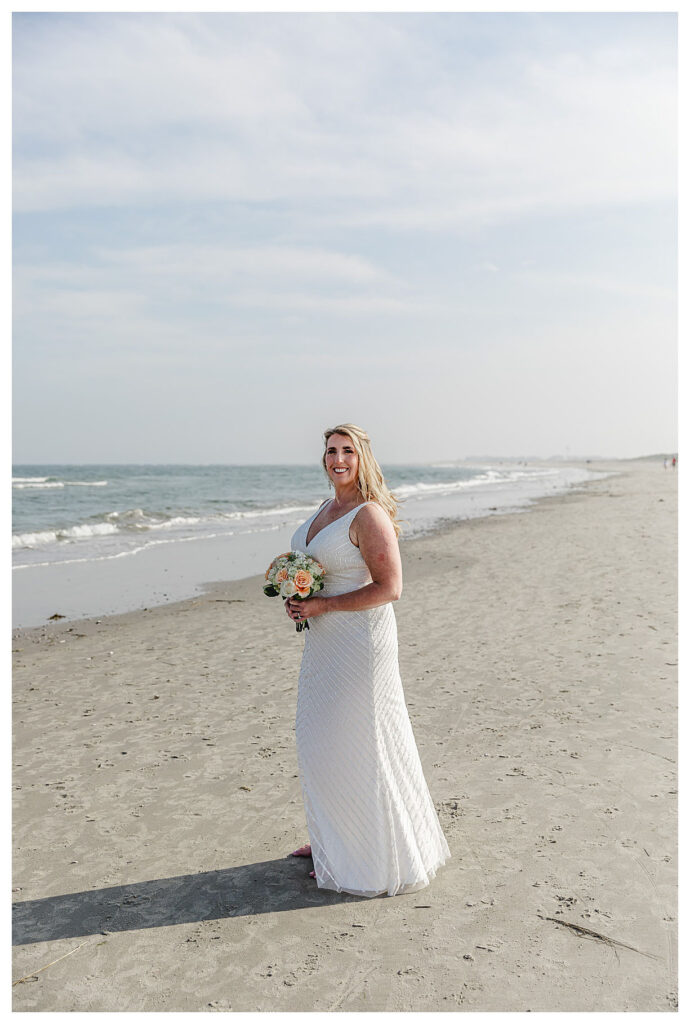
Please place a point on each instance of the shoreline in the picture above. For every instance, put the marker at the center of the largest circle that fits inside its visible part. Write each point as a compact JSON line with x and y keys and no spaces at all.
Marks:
{"x":156,"y":793}
{"x":206,"y":588}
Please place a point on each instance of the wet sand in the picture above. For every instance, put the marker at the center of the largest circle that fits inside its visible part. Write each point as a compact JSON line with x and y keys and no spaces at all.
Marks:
{"x":156,"y":793}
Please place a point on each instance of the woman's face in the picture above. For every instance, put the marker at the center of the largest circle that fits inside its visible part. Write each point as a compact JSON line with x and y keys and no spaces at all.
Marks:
{"x":342,"y":461}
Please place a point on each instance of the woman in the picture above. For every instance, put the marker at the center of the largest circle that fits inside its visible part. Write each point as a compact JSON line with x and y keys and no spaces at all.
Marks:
{"x":372,"y":824}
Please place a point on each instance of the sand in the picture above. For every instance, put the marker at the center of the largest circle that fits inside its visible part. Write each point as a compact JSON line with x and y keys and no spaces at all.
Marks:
{"x":156,"y":792}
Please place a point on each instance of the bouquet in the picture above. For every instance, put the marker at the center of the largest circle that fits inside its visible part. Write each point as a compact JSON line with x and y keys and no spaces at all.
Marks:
{"x":294,"y":574}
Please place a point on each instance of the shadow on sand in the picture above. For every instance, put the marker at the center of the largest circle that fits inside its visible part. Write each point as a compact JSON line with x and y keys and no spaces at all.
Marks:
{"x":266,"y":887}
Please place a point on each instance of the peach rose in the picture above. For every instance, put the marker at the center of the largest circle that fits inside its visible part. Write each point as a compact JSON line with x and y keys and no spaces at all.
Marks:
{"x":303,"y":580}
{"x":281,"y":575}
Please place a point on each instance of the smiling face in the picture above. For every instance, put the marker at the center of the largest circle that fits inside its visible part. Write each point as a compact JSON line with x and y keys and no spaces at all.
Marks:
{"x":342,"y":460}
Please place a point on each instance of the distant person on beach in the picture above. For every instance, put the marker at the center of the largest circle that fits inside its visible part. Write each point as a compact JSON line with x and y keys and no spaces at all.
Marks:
{"x":673,"y":462}
{"x":665,"y":463}
{"x":372,"y":824}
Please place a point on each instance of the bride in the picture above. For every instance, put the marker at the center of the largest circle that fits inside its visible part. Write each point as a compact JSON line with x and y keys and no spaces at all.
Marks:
{"x":372,"y":824}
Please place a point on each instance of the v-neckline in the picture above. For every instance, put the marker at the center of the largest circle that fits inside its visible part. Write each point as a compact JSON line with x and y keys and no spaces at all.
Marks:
{"x":332,"y":523}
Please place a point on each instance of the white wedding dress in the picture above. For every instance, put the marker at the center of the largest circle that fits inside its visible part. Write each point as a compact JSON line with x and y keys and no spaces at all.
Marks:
{"x":372,"y":825}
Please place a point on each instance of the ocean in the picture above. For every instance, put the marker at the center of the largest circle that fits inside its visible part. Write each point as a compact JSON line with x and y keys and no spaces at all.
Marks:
{"x":84,"y":518}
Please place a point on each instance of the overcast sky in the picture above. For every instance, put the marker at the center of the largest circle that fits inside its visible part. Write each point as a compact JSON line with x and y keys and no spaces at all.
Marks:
{"x":232,"y":231}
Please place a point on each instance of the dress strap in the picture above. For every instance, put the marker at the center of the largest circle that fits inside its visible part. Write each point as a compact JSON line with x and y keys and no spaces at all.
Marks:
{"x":353,"y":511}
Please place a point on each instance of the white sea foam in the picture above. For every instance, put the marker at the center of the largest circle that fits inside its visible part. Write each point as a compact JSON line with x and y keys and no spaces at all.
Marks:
{"x":33,"y":540}
{"x":409,"y":490}
{"x":278,"y":510}
{"x":130,"y":551}
{"x":491,"y":476}
{"x":131,"y":521}
{"x":137,"y":519}
{"x":127,"y":552}
{"x":37,"y":485}
{"x":129,"y":515}
{"x":43,"y":537}
{"x":23,"y":482}
{"x":88,"y":530}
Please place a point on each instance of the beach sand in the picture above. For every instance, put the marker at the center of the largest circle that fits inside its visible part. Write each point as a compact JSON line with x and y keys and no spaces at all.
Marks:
{"x":156,"y":792}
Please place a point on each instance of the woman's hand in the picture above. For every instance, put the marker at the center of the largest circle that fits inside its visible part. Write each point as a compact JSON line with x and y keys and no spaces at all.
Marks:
{"x":300,"y":609}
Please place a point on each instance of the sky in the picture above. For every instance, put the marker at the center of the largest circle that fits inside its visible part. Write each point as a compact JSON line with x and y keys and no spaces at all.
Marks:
{"x":232,"y":231}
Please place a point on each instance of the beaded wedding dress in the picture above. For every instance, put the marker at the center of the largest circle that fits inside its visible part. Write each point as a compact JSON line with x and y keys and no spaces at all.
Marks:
{"x":372,"y":824}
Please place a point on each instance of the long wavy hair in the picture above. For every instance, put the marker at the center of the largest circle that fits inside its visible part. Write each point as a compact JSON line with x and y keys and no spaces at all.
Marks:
{"x":370,"y":480}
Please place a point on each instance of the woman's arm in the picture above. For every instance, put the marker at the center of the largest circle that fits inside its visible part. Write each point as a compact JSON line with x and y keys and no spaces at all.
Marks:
{"x":379,"y":547}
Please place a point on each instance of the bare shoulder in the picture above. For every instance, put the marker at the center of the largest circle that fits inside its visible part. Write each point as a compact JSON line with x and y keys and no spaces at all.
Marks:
{"x":372,"y":512}
{"x":371,"y":520}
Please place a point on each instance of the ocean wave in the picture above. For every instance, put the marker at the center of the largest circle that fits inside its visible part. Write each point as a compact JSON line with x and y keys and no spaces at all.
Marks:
{"x":33,"y":540}
{"x":127,"y":552}
{"x":136,"y":521}
{"x":23,"y":482}
{"x":36,"y":484}
{"x":178,"y":521}
{"x":42,"y":537}
{"x":276,"y":510}
{"x":490,"y":476}
{"x":130,"y":515}
{"x":420,"y":488}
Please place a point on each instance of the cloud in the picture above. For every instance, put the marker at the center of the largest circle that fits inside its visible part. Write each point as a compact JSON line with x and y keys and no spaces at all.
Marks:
{"x":214,"y":261}
{"x":356,"y":112}
{"x":449,"y":209}
{"x":180,"y":296}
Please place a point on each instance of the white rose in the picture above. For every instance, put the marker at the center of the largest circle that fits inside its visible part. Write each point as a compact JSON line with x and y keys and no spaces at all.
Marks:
{"x":287,"y":588}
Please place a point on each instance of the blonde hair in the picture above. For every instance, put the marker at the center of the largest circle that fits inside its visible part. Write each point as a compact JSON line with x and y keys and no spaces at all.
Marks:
{"x":370,"y":481}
